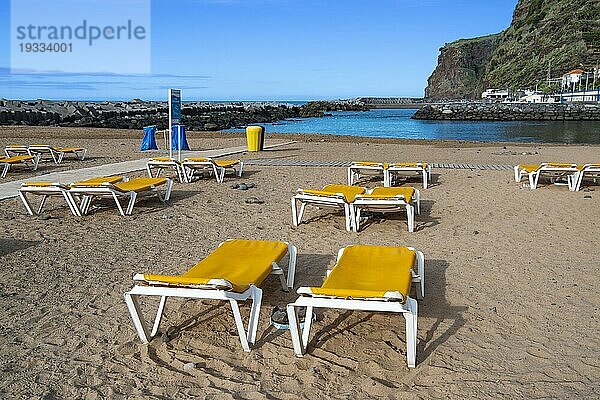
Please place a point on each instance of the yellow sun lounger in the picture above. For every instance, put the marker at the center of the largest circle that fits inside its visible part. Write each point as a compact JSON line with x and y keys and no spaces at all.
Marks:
{"x":58,"y":153}
{"x":16,"y":150}
{"x":47,"y":189}
{"x":366,"y":278}
{"x":9,"y":162}
{"x":396,"y":170}
{"x":233,"y":272}
{"x":359,"y":169}
{"x":129,"y":190}
{"x":217,"y":167}
{"x":388,"y":199}
{"x":557,"y":173}
{"x":587,"y":171}
{"x":158,"y":164}
{"x":331,"y":196}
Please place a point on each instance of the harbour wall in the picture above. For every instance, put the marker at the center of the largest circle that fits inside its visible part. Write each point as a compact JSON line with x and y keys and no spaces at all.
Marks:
{"x":478,"y":111}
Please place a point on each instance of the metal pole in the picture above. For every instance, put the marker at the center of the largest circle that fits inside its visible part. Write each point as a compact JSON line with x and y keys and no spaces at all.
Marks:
{"x":179,"y":143}
{"x":170,"y":128}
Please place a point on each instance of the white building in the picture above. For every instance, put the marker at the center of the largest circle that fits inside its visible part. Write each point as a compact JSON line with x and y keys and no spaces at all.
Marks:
{"x":495,"y":94}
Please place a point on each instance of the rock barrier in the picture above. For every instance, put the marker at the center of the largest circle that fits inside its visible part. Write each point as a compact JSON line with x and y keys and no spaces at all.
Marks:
{"x":509,"y":112}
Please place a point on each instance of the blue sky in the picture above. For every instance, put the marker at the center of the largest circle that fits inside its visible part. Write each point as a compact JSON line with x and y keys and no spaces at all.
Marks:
{"x":275,"y":49}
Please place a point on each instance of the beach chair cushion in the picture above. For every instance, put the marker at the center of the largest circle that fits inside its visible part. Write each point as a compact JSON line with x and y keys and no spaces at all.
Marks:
{"x":40,"y":184}
{"x":369,"y":272}
{"x":16,"y":159}
{"x":349,"y":192}
{"x":99,"y":181}
{"x":409,"y":165}
{"x":69,"y":149}
{"x":219,"y":163}
{"x":240,"y":262}
{"x":163,"y":159}
{"x":139,"y":184}
{"x":371,"y":164}
{"x":390,"y":192}
{"x":529,"y":167}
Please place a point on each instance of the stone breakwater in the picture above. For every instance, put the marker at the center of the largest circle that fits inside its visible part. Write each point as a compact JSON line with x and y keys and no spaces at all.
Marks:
{"x":137,"y":114}
{"x":509,"y":112}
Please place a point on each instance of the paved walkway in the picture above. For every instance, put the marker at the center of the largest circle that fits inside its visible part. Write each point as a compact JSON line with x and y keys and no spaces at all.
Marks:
{"x":307,"y":163}
{"x":10,"y":189}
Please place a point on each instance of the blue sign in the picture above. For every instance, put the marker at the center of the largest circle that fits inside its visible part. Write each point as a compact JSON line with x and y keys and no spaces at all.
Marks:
{"x":175,"y":106}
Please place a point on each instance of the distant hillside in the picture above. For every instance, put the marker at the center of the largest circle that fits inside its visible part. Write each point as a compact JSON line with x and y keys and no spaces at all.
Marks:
{"x":544,"y":34}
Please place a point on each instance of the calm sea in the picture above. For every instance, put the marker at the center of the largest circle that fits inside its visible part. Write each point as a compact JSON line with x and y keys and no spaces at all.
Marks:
{"x":396,"y":123}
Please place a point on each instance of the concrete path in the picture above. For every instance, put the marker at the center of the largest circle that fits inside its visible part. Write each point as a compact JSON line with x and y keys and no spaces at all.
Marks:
{"x":10,"y":189}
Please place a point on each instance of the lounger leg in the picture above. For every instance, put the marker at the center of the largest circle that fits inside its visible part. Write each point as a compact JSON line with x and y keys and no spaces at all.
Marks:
{"x":149,"y":170}
{"x":169,"y":189}
{"x":133,"y":197}
{"x":44,"y":197}
{"x":533,"y":180}
{"x":83,"y":154}
{"x":241,"y":168}
{"x":307,"y":324}
{"x":410,"y":216}
{"x":254,"y":313}
{"x":116,"y":199}
{"x":133,"y":306}
{"x":295,"y":221}
{"x":26,"y":203}
{"x":36,"y":161}
{"x":356,"y":218}
{"x":5,"y":170}
{"x":239,"y":324}
{"x":517,"y":174}
{"x":292,"y":255}
{"x":421,"y":272}
{"x":349,"y":214}
{"x":424,"y":179}
{"x":295,"y":330}
{"x":301,"y":214}
{"x":418,"y":196}
{"x":159,"y":314}
{"x":350,"y":176}
{"x":411,"y":332}
{"x":72,"y":204}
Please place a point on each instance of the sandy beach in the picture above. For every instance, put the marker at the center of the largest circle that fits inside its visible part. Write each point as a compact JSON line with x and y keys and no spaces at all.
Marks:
{"x":511,"y":307}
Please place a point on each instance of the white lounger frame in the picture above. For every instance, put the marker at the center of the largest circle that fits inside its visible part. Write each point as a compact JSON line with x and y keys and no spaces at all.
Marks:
{"x":213,"y":291}
{"x":56,"y":189}
{"x":391,"y":204}
{"x":392,"y":171}
{"x":519,"y":173}
{"x":10,"y":151}
{"x":88,"y":194}
{"x":210,"y":166}
{"x":356,"y":171}
{"x":588,"y":169}
{"x":337,"y":201}
{"x":389,"y":303}
{"x":554,"y":172}
{"x":35,"y":161}
{"x":57,"y":155}
{"x":160,"y":165}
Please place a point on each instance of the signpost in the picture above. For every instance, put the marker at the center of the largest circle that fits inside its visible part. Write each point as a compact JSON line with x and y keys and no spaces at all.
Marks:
{"x":174,"y":119}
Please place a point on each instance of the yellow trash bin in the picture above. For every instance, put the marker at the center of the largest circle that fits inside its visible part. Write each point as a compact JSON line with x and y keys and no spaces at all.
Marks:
{"x":255,"y":137}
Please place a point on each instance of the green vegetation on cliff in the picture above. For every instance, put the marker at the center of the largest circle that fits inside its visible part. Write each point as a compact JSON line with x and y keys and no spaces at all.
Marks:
{"x":545,"y":36}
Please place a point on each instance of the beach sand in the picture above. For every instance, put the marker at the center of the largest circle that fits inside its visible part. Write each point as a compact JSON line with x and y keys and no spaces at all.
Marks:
{"x":510,"y":310}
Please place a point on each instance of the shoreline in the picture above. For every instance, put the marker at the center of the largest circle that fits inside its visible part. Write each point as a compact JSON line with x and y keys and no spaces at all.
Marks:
{"x":53,"y":132}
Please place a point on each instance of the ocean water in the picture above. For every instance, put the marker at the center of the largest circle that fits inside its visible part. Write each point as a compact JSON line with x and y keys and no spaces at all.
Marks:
{"x":396,"y":123}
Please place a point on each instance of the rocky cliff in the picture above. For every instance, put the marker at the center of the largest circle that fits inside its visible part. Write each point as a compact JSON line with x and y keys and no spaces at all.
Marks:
{"x":545,"y":36}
